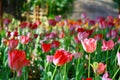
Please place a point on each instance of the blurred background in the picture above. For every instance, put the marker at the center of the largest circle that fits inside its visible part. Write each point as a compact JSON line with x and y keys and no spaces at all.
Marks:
{"x":67,"y":8}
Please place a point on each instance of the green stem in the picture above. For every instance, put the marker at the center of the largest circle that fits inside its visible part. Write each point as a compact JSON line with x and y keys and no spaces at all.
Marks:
{"x":106,"y":59}
{"x":89,"y":67}
{"x":54,"y":72}
{"x":115,"y":73}
{"x":96,"y":76}
{"x":77,"y":71}
{"x":64,"y":76}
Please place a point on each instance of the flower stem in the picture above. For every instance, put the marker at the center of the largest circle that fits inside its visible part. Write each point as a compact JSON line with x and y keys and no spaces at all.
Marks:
{"x":115,"y":73}
{"x":106,"y":59}
{"x":54,"y":72}
{"x":77,"y":71}
{"x":89,"y":67}
{"x":64,"y":76}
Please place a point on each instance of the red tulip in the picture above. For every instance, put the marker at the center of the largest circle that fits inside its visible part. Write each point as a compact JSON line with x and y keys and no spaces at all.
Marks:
{"x":33,"y":25}
{"x":46,"y":47}
{"x":23,"y":24}
{"x":87,"y":79}
{"x":80,"y":30}
{"x":14,"y":34}
{"x":55,"y":44}
{"x":52,"y":22}
{"x":24,"y":39}
{"x":12,"y":43}
{"x":98,"y":36}
{"x":89,"y":45}
{"x":107,"y":45}
{"x":61,"y":57}
{"x":77,"y":41}
{"x":17,"y":60}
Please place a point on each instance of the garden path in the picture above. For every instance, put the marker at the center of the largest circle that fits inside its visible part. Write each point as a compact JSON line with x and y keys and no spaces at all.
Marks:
{"x":94,"y":8}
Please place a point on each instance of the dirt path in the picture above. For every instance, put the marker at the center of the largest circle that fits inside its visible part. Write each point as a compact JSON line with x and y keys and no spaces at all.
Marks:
{"x":94,"y":8}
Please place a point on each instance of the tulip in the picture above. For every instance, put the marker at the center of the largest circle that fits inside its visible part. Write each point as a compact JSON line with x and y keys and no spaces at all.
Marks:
{"x":49,"y":58}
{"x":98,"y":36}
{"x":6,"y":21}
{"x":52,"y":22}
{"x":89,"y":45}
{"x":76,"y":40}
{"x":55,"y":44}
{"x":107,"y":45}
{"x":17,"y":60}
{"x":82,"y":35}
{"x":112,"y":33}
{"x":24,"y":39}
{"x":105,"y":76}
{"x":46,"y":47}
{"x":61,"y":57}
{"x":98,"y":68}
{"x":23,"y":24}
{"x":12,"y":43}
{"x":62,"y":34}
{"x":58,"y":18}
{"x":118,"y":57}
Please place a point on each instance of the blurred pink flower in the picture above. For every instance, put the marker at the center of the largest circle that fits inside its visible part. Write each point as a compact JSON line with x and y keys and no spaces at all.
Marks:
{"x":89,"y":45}
{"x":98,"y":68}
{"x":76,"y":40}
{"x":49,"y":58}
{"x":112,"y":33}
{"x":107,"y":45}
{"x":82,"y":35}
{"x":77,"y":55}
{"x":118,"y":57}
{"x":24,"y":39}
{"x":105,"y":76}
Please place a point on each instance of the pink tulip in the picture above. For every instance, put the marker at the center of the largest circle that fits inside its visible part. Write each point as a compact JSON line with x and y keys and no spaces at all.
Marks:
{"x":107,"y":45}
{"x":49,"y":58}
{"x":101,"y":68}
{"x":24,"y":39}
{"x":82,"y":35}
{"x":118,"y":57}
{"x":105,"y":76}
{"x":89,"y":45}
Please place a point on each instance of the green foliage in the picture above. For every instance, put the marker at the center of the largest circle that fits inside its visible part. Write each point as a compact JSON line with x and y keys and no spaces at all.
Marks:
{"x":55,"y":7}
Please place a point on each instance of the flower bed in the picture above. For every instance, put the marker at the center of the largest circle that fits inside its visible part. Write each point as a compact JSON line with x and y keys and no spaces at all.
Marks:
{"x":59,"y":49}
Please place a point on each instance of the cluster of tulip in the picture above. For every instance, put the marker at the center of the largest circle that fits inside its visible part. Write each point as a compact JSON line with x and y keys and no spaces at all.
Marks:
{"x":61,"y":49}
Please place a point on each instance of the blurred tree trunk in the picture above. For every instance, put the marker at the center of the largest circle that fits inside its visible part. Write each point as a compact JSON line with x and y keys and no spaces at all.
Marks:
{"x":1,"y":14}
